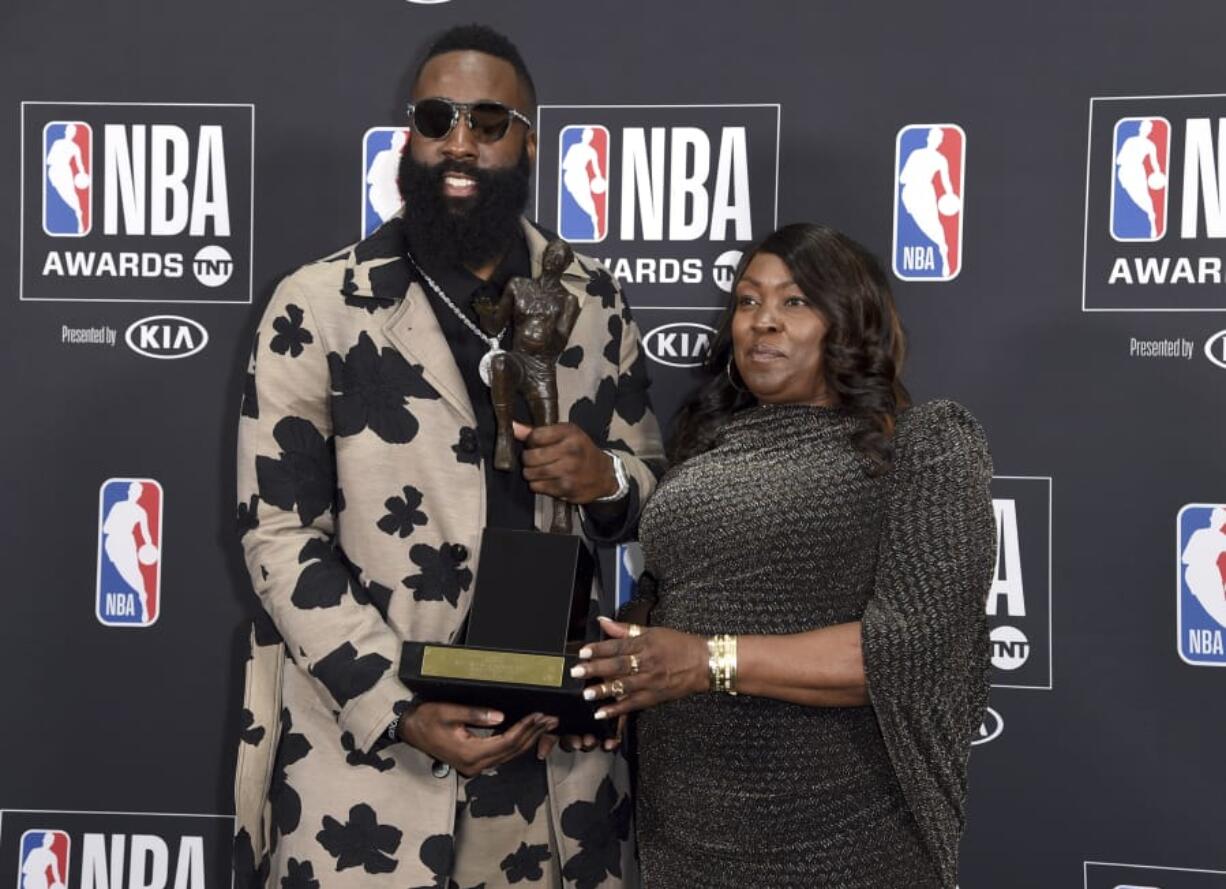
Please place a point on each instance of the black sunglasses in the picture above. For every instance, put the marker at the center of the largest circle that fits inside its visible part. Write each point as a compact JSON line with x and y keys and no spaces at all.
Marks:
{"x":488,"y":120}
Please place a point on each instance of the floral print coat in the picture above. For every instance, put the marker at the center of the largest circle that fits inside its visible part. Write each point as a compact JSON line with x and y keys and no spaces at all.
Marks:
{"x":361,"y":506}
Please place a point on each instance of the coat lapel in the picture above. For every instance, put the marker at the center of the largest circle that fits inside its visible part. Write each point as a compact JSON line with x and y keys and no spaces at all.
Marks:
{"x":377,"y":269}
{"x":414,"y":330}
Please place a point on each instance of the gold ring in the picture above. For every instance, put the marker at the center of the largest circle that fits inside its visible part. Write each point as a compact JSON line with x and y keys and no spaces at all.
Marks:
{"x":618,"y":688}
{"x":635,"y":630}
{"x":634,"y":664}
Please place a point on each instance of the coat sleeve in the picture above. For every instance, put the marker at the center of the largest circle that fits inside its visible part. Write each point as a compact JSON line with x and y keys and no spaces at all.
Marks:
{"x":924,"y":631}
{"x":634,"y":433}
{"x":287,"y":520}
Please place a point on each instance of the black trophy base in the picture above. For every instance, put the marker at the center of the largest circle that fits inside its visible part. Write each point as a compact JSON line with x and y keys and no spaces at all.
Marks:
{"x":512,"y":682}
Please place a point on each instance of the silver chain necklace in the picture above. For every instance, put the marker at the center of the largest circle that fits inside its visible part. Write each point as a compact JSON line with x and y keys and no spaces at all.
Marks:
{"x":493,"y":342}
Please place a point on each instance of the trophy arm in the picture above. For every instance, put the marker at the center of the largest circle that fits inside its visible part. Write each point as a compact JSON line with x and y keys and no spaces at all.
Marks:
{"x":567,"y":317}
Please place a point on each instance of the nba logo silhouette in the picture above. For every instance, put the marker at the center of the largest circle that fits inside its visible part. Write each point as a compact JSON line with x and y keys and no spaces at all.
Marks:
{"x":1142,"y":150}
{"x":129,"y":552}
{"x":43,"y":860}
{"x":1201,"y":560}
{"x":381,"y":150}
{"x":583,"y":183}
{"x":629,"y":570}
{"x":68,"y":170}
{"x":929,"y":173}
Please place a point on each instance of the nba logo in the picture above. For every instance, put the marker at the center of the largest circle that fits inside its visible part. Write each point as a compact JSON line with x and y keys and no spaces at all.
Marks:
{"x":68,"y":166}
{"x":929,"y":167}
{"x":129,"y":552}
{"x":1202,"y":583}
{"x":381,"y":150}
{"x":629,"y":570}
{"x":583,"y":183}
{"x":44,"y":860}
{"x":1142,"y":150}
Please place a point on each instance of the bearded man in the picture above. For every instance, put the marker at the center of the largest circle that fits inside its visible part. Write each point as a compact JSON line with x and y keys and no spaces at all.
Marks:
{"x":365,"y":477}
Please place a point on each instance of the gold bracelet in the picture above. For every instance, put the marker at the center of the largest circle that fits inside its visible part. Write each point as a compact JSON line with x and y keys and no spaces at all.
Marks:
{"x":721,"y":663}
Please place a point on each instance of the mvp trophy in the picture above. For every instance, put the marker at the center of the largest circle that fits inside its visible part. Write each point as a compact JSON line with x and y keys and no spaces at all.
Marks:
{"x":528,"y":617}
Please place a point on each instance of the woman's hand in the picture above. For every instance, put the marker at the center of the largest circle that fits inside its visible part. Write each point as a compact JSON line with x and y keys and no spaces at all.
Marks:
{"x":654,"y":666}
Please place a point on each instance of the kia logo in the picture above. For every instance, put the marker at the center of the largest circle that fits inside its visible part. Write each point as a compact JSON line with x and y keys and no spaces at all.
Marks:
{"x":990,"y":728}
{"x":166,"y":336}
{"x":680,"y":344}
{"x":1215,"y":348}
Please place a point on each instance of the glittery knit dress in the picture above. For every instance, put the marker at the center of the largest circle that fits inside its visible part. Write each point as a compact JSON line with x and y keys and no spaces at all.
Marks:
{"x":778,"y":529}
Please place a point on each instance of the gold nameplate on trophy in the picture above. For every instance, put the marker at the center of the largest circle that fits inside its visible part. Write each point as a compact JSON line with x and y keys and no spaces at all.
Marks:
{"x":492,"y":666}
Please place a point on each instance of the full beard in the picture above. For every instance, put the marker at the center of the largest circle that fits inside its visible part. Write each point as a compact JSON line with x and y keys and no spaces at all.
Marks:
{"x":471,"y":232}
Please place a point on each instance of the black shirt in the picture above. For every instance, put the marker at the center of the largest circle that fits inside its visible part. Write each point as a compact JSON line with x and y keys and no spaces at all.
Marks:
{"x":509,"y":502}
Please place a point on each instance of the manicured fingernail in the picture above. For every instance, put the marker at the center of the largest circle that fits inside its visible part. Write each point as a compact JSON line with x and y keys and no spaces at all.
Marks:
{"x":600,"y":714}
{"x":578,"y":671}
{"x":585,"y":654}
{"x":589,"y":694}
{"x":607,"y":620}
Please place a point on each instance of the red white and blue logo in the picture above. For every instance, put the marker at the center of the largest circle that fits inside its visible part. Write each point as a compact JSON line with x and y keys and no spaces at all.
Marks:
{"x":381,"y":151}
{"x":129,"y":552}
{"x":1202,"y":584}
{"x":629,"y":571}
{"x":583,"y":183}
{"x":68,"y":187}
{"x":929,"y":174}
{"x":1155,"y":208}
{"x":1139,"y":178}
{"x":43,"y":860}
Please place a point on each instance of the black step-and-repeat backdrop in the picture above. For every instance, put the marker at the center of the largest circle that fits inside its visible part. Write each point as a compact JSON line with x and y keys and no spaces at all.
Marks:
{"x":1047,"y":182}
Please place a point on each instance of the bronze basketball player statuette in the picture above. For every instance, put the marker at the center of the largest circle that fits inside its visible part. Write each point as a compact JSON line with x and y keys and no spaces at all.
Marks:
{"x":544,"y":314}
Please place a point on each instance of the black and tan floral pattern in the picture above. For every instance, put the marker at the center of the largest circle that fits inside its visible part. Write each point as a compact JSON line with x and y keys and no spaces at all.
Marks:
{"x":371,"y":388}
{"x":403,"y":513}
{"x":361,"y":393}
{"x":291,"y":337}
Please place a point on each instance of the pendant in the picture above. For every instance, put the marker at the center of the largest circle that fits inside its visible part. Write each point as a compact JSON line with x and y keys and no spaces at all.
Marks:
{"x":485,"y":368}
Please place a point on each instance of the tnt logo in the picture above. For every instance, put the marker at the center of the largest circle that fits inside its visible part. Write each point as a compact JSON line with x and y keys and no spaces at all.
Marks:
{"x":724,"y":270}
{"x":583,"y":204}
{"x":43,"y":860}
{"x":68,"y":194}
{"x":1202,"y":584}
{"x":136,"y":202}
{"x":1139,"y":175}
{"x":929,"y":165}
{"x":667,"y":191}
{"x":381,"y":151}
{"x":129,"y":552}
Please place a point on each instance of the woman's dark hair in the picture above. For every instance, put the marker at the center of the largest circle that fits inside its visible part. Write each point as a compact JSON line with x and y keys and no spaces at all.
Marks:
{"x":862,"y":355}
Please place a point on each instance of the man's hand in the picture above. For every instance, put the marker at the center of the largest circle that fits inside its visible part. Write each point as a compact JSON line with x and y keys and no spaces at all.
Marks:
{"x":442,"y":732}
{"x":584,"y":743}
{"x":563,"y":462}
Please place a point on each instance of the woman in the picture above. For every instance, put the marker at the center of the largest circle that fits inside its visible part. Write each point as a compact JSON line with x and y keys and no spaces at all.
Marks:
{"x":816,"y":660}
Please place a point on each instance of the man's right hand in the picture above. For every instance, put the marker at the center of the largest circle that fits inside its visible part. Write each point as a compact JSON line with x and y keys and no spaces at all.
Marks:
{"x":442,"y":731}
